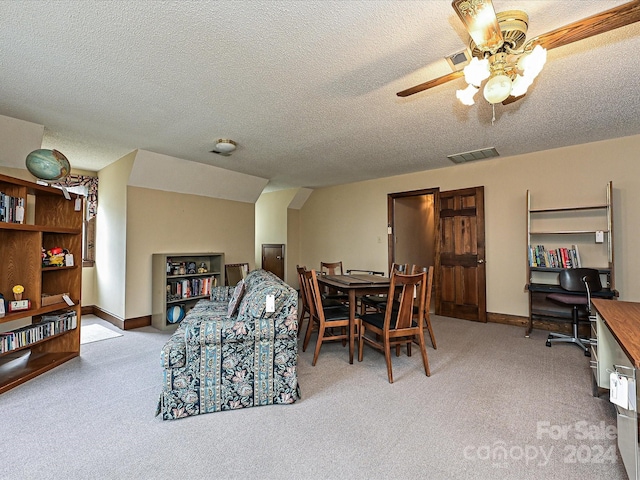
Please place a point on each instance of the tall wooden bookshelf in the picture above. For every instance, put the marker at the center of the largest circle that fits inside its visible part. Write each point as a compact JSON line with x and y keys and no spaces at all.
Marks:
{"x":588,"y":228}
{"x":171,"y":270}
{"x":50,"y":221}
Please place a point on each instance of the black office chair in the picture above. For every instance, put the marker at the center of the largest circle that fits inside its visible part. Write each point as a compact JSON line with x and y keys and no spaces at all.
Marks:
{"x":580,"y":283}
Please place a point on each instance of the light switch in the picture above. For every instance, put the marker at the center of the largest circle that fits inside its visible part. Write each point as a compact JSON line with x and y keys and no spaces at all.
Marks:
{"x":271,"y":304}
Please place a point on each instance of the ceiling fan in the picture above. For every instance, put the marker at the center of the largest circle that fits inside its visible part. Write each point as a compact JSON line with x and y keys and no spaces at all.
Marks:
{"x":501,"y":53}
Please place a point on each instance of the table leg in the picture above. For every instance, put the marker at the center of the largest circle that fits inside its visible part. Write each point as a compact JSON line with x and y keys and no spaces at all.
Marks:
{"x":352,"y":322}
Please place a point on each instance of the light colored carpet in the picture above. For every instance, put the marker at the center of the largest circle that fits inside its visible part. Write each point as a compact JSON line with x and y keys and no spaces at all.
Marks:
{"x":95,"y":333}
{"x":497,"y":406}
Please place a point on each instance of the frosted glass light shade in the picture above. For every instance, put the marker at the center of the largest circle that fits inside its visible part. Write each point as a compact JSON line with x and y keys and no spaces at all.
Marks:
{"x":532,"y":63}
{"x":476,"y":71}
{"x":225,"y":146}
{"x":520,"y":85}
{"x":466,"y":96}
{"x":497,"y":89}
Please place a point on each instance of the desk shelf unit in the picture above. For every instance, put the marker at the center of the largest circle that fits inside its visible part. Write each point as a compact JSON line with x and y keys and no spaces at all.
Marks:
{"x":587,"y":229}
{"x":166,"y":278}
{"x":50,"y":220}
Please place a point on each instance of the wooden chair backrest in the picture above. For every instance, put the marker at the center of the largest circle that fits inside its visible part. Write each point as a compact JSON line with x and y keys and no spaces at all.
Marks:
{"x":234,"y":272}
{"x":314,"y":295}
{"x":399,"y":267}
{"x":302,"y":281}
{"x":331,"y":268}
{"x":429,"y":272}
{"x":410,"y":292}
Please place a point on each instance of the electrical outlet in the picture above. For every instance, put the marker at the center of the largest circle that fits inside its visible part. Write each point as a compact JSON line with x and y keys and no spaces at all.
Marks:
{"x":271,"y":304}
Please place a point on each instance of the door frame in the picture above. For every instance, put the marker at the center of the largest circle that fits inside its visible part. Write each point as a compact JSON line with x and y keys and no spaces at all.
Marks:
{"x":391,"y":219}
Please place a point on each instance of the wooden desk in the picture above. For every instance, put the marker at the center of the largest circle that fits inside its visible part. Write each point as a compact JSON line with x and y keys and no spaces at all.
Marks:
{"x":617,"y":348}
{"x":354,"y":286}
{"x":623,"y":320}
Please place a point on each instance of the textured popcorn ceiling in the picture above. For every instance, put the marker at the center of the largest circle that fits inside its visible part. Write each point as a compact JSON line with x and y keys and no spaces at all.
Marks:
{"x":307,"y":89}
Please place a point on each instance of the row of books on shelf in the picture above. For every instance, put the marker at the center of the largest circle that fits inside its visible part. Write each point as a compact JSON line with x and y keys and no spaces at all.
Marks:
{"x":11,"y":209}
{"x":560,"y":257}
{"x":48,"y":326}
{"x":190,"y":287}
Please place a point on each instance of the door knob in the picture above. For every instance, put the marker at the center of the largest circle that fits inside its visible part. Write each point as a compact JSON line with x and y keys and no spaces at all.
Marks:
{"x":480,"y":260}
{"x":278,"y":257}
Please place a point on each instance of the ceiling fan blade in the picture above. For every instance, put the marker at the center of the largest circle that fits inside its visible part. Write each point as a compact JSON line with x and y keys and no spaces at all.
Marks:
{"x":431,"y":83}
{"x":603,"y":22}
{"x":511,"y":99}
{"x":616,"y":17}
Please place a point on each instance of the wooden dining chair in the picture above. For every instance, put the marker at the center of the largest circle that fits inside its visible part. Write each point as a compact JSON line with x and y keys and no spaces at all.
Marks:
{"x":427,"y":301}
{"x":234,"y":272}
{"x":333,"y":268}
{"x":397,"y":326}
{"x":377,"y":303}
{"x":332,"y":323}
{"x":305,"y":310}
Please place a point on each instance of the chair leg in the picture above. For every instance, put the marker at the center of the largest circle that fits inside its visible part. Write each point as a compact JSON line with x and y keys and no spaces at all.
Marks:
{"x":361,"y":329}
{"x":427,"y":320}
{"x":301,"y":321}
{"x":423,"y":350}
{"x":387,"y":358}
{"x":574,"y":338}
{"x":318,"y":345}
{"x":307,"y":334}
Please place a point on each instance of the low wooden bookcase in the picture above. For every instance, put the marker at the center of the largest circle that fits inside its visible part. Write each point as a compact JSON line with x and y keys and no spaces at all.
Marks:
{"x":50,"y":220}
{"x":179,"y":281}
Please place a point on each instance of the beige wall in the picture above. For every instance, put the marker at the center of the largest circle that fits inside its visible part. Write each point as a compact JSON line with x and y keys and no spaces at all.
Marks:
{"x":272,"y":226}
{"x":168,"y":222}
{"x":111,"y":236}
{"x":343,"y":222}
{"x":293,"y":246}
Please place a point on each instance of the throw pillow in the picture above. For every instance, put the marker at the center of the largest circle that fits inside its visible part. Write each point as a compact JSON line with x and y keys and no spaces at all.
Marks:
{"x":236,"y":298}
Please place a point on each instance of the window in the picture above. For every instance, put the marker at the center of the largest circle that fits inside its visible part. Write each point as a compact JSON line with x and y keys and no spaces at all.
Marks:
{"x":87,"y":187}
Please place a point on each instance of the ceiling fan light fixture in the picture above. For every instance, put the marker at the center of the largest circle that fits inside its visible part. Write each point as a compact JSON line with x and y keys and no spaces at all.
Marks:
{"x":482,"y":23}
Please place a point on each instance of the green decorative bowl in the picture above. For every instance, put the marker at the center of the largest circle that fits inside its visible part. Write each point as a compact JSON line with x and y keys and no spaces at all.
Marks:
{"x":48,"y":164}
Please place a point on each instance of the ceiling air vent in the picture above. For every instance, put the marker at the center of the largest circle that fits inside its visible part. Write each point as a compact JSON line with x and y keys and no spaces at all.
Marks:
{"x":475,"y":155}
{"x":459,"y":60}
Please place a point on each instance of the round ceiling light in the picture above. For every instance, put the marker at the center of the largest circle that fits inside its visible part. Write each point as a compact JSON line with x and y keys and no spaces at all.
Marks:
{"x":225,"y":146}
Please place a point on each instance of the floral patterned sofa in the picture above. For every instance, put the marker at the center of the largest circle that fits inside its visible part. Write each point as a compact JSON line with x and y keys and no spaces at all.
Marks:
{"x":230,"y":353}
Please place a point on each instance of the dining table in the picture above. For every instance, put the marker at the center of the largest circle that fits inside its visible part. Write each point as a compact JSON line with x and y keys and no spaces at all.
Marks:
{"x":355,"y":285}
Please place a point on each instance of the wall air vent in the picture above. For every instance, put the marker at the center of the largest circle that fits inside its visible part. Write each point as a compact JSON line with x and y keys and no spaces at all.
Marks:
{"x":475,"y":155}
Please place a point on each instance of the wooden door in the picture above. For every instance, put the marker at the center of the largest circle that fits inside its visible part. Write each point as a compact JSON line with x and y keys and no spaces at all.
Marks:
{"x":273,"y":258}
{"x":460,"y":262}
